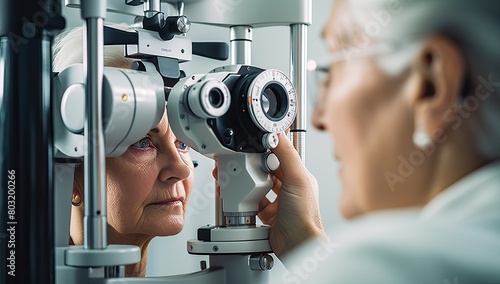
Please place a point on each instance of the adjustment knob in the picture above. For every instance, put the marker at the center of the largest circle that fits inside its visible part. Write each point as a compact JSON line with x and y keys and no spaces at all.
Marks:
{"x":183,"y":24}
{"x":270,"y":140}
{"x":178,"y":24}
{"x":175,"y":25}
{"x":261,"y":262}
{"x":270,"y":162}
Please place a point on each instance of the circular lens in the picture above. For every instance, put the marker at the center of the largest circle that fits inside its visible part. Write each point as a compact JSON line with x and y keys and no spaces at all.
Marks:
{"x":216,"y":98}
{"x":208,"y":98}
{"x":269,"y":102}
{"x":273,"y":101}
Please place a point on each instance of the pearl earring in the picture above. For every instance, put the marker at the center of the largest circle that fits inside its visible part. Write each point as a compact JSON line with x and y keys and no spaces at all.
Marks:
{"x":421,"y":139}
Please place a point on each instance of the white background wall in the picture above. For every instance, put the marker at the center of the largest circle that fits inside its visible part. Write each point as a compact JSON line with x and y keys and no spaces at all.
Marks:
{"x":167,"y":255}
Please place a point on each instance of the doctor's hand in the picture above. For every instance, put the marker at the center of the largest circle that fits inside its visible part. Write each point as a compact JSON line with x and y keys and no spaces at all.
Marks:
{"x":294,"y":216}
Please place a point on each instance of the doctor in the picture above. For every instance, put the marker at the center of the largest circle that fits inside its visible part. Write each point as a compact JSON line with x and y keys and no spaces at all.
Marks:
{"x":412,"y":102}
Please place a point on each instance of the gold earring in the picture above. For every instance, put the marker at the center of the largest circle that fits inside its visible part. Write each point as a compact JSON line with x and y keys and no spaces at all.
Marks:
{"x":78,"y":203}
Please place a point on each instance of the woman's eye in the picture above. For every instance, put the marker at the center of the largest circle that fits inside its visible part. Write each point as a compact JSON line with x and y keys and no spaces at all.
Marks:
{"x":182,"y":146}
{"x":144,"y":143}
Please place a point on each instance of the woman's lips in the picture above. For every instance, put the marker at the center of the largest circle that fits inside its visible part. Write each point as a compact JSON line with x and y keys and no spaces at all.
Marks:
{"x":170,"y":202}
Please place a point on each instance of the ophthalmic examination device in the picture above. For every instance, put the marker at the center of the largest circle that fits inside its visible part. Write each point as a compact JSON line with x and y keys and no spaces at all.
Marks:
{"x":87,"y":112}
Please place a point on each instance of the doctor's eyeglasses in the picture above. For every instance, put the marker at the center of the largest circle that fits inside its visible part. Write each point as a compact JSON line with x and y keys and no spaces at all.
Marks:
{"x":320,"y":74}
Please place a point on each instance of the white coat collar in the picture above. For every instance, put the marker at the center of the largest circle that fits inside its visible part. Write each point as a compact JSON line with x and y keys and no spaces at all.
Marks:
{"x":476,"y":195}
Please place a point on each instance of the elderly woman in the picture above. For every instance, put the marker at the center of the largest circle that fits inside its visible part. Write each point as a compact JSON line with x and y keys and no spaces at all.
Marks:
{"x":148,"y":187}
{"x":411,"y":100}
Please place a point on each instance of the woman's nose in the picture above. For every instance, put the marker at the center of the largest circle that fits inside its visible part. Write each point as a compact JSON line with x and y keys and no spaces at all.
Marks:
{"x":174,"y":167}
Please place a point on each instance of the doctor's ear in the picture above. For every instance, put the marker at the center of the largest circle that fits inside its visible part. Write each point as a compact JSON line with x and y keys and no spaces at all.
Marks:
{"x":440,"y":71}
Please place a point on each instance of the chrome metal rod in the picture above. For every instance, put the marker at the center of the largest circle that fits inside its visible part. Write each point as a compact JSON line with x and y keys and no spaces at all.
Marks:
{"x":95,"y":233}
{"x":114,"y":271}
{"x":180,"y":8}
{"x":298,"y":51}
{"x":241,"y":44}
{"x":151,"y":7}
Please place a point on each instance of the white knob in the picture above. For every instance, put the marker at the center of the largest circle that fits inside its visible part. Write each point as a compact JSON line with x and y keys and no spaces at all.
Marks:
{"x":270,"y":162}
{"x":270,"y":140}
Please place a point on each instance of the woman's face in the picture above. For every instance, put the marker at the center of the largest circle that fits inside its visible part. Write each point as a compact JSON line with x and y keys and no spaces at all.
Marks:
{"x":369,"y":116}
{"x":150,"y":184}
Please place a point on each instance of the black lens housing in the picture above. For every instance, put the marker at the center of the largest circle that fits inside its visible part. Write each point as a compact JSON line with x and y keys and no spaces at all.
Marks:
{"x":277,"y":98}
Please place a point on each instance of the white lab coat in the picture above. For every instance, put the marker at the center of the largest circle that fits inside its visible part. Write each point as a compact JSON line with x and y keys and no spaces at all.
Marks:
{"x":454,"y":239}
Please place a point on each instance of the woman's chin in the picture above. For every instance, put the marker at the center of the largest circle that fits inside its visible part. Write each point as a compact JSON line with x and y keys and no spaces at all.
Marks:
{"x":171,"y":227}
{"x":347,"y":208}
{"x":165,"y":221}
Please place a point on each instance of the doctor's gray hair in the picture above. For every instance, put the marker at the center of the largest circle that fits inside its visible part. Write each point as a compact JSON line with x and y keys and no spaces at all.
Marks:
{"x":68,"y":50}
{"x":475,"y":28}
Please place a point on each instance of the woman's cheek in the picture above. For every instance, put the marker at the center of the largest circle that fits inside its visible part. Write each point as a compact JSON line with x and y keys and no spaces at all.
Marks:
{"x":129,"y":182}
{"x":188,"y":186}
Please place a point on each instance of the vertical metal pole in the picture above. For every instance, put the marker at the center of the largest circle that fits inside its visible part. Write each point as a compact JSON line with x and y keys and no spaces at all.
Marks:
{"x":151,"y":7}
{"x":95,"y":230}
{"x":241,"y":45}
{"x":298,"y":49}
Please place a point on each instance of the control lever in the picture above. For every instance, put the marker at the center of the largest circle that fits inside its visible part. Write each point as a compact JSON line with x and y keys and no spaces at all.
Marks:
{"x":213,"y":50}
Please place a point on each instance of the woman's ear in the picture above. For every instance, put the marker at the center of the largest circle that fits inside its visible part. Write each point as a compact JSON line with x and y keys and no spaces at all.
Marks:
{"x":440,"y":69}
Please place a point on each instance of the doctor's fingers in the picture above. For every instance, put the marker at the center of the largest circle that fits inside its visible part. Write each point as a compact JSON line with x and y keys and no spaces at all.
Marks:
{"x":291,"y":166}
{"x":268,"y":210}
{"x":276,"y":184}
{"x":215,"y":172}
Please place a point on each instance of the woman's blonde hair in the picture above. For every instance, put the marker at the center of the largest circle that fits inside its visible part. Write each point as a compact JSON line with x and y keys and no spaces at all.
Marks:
{"x":67,"y":50}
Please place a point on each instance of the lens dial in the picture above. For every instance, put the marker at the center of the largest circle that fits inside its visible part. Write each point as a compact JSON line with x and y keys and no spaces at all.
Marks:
{"x":208,"y":98}
{"x":271,"y":101}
